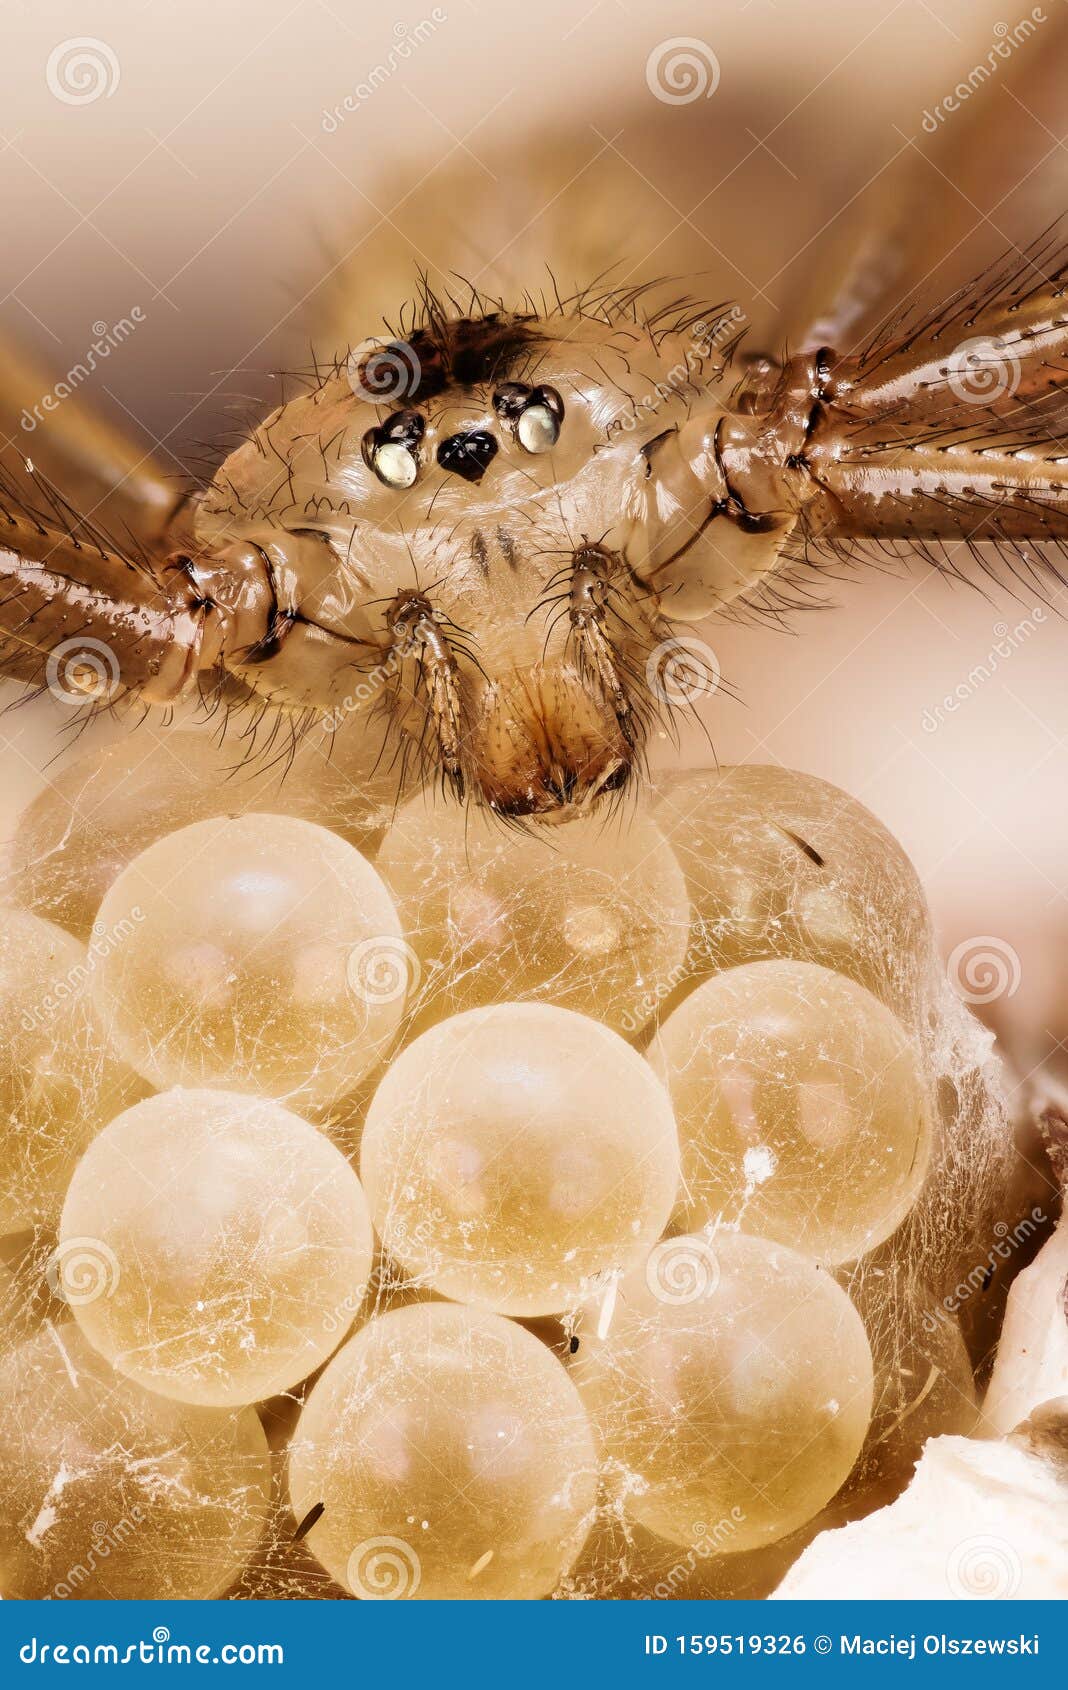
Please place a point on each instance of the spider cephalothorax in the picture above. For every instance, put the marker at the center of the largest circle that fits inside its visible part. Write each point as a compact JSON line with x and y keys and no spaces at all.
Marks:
{"x":469,"y":528}
{"x":476,"y":538}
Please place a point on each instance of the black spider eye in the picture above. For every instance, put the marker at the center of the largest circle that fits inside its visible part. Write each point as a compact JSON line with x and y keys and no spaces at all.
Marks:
{"x":533,"y":413}
{"x":468,"y":455}
{"x":392,"y":449}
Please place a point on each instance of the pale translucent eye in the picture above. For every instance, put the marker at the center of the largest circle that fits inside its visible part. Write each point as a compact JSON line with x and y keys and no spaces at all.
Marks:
{"x":537,"y":429}
{"x":395,"y":465}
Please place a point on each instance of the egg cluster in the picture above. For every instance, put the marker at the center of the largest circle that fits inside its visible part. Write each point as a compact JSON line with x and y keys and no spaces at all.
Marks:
{"x":396,"y":1204}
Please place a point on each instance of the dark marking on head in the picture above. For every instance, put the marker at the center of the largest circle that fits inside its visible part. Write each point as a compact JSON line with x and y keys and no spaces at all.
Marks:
{"x":479,"y":552}
{"x":454,"y":352}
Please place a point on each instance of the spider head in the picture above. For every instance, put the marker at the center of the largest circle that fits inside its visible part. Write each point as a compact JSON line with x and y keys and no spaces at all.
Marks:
{"x":468,"y":534}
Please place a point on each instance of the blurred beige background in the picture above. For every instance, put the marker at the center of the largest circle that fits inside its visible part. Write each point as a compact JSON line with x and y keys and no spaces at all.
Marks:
{"x":253,"y":178}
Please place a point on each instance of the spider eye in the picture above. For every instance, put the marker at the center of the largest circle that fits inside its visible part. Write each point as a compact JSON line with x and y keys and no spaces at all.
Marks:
{"x":391,"y":451}
{"x":538,"y":429}
{"x":533,"y":414}
{"x":394,"y":464}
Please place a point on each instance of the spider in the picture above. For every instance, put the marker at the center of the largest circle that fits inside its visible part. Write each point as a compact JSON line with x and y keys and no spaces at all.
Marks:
{"x":491,"y":526}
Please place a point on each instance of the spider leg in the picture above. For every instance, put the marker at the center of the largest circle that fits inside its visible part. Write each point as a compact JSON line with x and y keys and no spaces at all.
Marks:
{"x":979,"y":171}
{"x":93,"y":621}
{"x":102,"y":470}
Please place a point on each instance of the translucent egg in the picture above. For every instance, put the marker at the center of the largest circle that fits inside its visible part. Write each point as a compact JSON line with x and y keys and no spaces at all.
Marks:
{"x":104,"y":808}
{"x":207,"y":1244}
{"x":731,"y":1385}
{"x":512,"y":1154}
{"x":801,"y":1105}
{"x":59,"y":1079}
{"x":451,"y":1457}
{"x":260,"y":953}
{"x":780,"y":864}
{"x":587,"y":914}
{"x":107,"y":1491}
